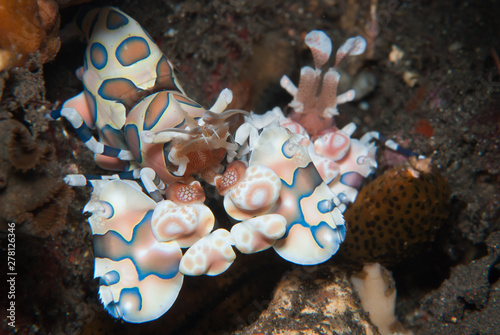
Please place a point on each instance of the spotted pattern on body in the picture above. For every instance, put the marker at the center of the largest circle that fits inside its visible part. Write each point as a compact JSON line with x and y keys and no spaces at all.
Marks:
{"x":140,"y":277}
{"x":395,"y":214}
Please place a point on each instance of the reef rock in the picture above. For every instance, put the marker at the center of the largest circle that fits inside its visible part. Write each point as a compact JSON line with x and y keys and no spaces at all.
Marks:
{"x":313,"y":300}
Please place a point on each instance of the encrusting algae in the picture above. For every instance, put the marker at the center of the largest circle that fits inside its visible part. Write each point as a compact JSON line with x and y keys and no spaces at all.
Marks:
{"x":28,"y":26}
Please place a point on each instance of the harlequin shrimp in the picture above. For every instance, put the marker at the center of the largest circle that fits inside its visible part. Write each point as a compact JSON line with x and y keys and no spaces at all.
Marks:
{"x":340,"y":163}
{"x":343,"y":162}
{"x":285,"y":181}
{"x":129,"y":86}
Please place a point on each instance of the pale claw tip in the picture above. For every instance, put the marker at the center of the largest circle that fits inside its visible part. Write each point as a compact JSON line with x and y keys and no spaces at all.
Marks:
{"x":147,"y":136}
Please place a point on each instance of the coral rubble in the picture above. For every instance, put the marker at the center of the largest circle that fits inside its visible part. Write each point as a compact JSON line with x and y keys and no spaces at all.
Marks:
{"x":30,"y":194}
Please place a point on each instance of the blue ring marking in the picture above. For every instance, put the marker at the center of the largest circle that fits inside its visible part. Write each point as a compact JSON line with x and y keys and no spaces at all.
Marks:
{"x":132,"y":137}
{"x":110,"y":278}
{"x":340,"y":236}
{"x":149,"y":124}
{"x":192,"y":104}
{"x":114,"y":137}
{"x":352,"y":179}
{"x":127,"y":294}
{"x":343,"y":198}
{"x":102,"y":249}
{"x":122,"y":49}
{"x":325,"y":206}
{"x":96,"y":50}
{"x":283,"y":149}
{"x":177,"y":86}
{"x":117,"y":308}
{"x":112,"y":209}
{"x":166,"y":81}
{"x":163,"y":62}
{"x":314,"y":231}
{"x":311,"y":171}
{"x":113,"y":81}
{"x":115,"y":20}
